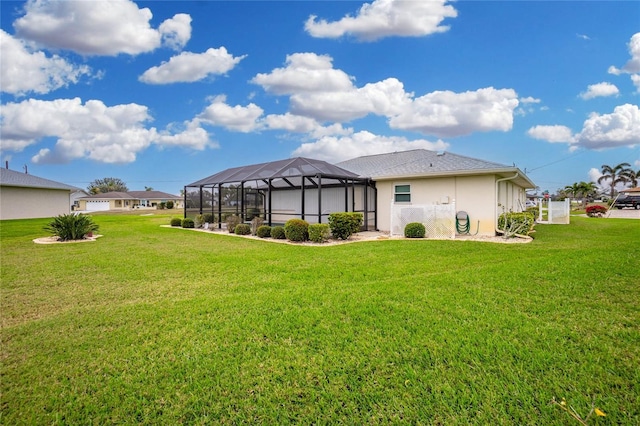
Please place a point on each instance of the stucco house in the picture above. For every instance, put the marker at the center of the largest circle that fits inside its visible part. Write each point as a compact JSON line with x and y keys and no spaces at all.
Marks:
{"x":25,"y":196}
{"x":482,"y":189}
{"x":127,"y":201}
{"x":441,"y":189}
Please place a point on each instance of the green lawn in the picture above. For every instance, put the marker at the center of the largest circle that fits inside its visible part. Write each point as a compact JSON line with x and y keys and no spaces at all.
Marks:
{"x":153,"y":325}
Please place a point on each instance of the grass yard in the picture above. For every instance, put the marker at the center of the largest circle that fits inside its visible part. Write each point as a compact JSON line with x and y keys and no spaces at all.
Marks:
{"x":153,"y":325}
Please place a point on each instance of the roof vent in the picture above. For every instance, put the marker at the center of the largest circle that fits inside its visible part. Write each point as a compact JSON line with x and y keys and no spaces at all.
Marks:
{"x":440,"y":153}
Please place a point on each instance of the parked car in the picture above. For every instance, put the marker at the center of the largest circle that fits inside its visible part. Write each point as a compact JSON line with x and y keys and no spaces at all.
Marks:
{"x":632,"y":201}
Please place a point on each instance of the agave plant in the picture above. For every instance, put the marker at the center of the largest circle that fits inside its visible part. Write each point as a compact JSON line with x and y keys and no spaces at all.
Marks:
{"x":71,"y":226}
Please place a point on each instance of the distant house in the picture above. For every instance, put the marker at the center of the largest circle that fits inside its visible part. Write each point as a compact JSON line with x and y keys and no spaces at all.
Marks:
{"x":482,"y":189}
{"x":25,"y":196}
{"x":127,"y":201}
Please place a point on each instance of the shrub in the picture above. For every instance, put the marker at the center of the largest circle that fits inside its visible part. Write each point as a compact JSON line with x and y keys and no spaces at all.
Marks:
{"x":264,"y":231}
{"x":242,"y":229}
{"x":277,"y":232}
{"x":343,"y":225}
{"x":162,"y":205}
{"x":232,"y":222}
{"x":208,"y":217}
{"x":414,"y":230}
{"x":71,"y":226}
{"x":516,"y":223}
{"x":187,"y":222}
{"x":198,"y":221}
{"x":296,"y":230}
{"x":256,"y":223}
{"x":319,"y":232}
{"x":596,"y":210}
{"x":169,"y":204}
{"x":176,"y":221}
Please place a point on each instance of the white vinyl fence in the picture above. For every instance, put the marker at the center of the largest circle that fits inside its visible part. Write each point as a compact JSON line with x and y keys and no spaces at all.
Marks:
{"x":558,"y":212}
{"x":438,"y":220}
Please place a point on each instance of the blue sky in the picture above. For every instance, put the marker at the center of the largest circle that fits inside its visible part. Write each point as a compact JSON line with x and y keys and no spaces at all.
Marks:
{"x":163,"y":93}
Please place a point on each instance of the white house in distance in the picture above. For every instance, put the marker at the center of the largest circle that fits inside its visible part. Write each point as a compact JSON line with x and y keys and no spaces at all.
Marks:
{"x":127,"y":201}
{"x":482,"y":189}
{"x":25,"y":196}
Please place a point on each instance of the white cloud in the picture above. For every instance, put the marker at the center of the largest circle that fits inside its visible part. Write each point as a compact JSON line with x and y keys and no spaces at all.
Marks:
{"x":189,"y":67}
{"x":620,"y":128}
{"x":99,"y":27}
{"x":635,"y":79}
{"x":599,"y":90}
{"x":530,"y":100}
{"x":23,"y":70}
{"x":384,"y":98}
{"x":305,"y":72}
{"x":594,"y":174}
{"x":237,"y":118}
{"x":599,"y":131}
{"x":176,"y":32}
{"x":552,"y":134}
{"x":93,"y":130}
{"x":339,"y":148}
{"x":633,"y":65}
{"x":445,"y":113}
{"x":299,"y":124}
{"x":387,"y":18}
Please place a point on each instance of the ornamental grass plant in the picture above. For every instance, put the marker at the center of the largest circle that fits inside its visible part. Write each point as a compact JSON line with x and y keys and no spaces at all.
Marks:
{"x":154,"y":325}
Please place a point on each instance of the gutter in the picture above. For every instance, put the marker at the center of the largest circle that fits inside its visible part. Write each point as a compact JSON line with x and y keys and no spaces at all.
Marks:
{"x":498,"y":199}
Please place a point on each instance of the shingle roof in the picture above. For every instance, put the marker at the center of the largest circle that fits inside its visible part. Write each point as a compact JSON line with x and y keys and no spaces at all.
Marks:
{"x":24,"y":180}
{"x":417,"y":162}
{"x":132,"y":195}
{"x":153,"y":195}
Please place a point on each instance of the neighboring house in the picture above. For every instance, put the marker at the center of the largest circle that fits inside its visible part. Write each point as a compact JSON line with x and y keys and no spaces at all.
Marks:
{"x":631,"y":191}
{"x":24,"y":196}
{"x":75,"y":198}
{"x":127,"y":201}
{"x":482,"y":189}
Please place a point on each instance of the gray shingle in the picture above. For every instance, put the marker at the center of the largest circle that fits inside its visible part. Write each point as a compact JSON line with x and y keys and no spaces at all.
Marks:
{"x":24,"y":180}
{"x":417,"y":162}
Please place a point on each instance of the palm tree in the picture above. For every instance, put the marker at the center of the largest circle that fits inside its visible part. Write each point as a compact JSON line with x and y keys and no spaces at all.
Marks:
{"x":618,"y":174}
{"x":581,"y":191}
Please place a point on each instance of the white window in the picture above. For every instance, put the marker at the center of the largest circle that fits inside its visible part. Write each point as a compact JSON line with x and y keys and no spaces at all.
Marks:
{"x":402,"y":193}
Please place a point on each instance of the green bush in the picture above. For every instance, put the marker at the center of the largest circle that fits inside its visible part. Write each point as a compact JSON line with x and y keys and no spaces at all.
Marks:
{"x":296,"y":230}
{"x":414,"y":230}
{"x":198,"y":221}
{"x":516,"y":223}
{"x":176,"y":221}
{"x":319,"y":232}
{"x":232,"y":222}
{"x":187,"y":222}
{"x":169,"y":204}
{"x":277,"y":233}
{"x":161,"y":206}
{"x":264,"y":231}
{"x":343,"y":225}
{"x":243,"y":229}
{"x":71,"y":226}
{"x":208,"y":217}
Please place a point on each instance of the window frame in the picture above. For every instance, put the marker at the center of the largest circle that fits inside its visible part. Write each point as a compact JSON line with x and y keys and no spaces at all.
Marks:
{"x":397,"y":193}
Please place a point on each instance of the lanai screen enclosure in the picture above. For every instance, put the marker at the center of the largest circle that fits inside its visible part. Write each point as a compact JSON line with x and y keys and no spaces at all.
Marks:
{"x":281,"y":190}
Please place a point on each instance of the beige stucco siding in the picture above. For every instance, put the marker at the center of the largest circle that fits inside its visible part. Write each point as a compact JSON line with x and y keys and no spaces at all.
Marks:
{"x":28,"y":203}
{"x":475,"y":195}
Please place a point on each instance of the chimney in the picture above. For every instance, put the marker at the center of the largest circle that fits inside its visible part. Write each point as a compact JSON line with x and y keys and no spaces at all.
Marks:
{"x":6,"y":163}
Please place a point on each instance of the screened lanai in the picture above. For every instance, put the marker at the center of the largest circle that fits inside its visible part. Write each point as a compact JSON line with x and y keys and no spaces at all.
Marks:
{"x":281,"y":190}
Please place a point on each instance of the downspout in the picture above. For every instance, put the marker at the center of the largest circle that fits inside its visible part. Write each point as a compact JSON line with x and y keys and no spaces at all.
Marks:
{"x":498,"y":199}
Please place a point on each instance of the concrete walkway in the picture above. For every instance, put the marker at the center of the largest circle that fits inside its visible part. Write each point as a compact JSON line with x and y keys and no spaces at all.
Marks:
{"x":623,"y":214}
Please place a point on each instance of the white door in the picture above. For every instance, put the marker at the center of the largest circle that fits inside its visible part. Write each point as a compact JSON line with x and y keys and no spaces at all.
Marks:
{"x":97,"y":206}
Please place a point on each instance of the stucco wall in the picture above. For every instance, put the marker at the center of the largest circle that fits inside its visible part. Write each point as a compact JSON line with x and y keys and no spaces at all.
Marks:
{"x":28,"y":203}
{"x":475,"y":195}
